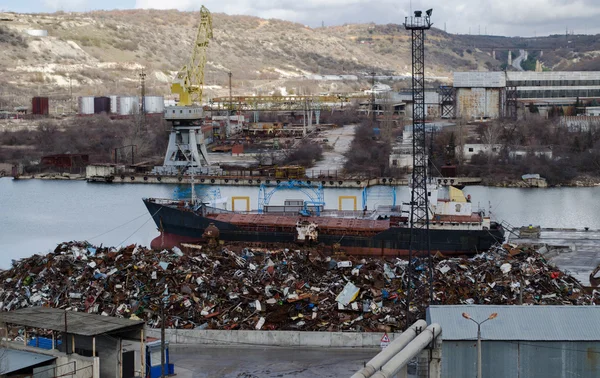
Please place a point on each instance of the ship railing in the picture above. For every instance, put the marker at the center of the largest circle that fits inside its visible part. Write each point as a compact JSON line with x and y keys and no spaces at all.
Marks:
{"x":164,"y":201}
{"x":358,"y":214}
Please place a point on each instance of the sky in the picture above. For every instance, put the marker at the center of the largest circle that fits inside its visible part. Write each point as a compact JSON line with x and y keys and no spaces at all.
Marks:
{"x":525,"y":18}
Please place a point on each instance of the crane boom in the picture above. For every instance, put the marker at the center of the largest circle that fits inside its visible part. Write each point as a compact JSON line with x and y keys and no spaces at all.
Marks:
{"x":189,"y":82}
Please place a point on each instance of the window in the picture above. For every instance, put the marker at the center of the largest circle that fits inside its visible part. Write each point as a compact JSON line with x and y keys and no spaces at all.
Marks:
{"x":181,"y":111}
{"x":470,"y":149}
{"x":494,"y":149}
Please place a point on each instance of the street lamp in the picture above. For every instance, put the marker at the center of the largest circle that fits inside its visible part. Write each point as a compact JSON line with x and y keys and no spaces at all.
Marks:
{"x":467,"y":316}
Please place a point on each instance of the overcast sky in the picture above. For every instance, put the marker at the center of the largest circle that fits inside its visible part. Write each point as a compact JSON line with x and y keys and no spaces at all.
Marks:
{"x":497,"y":17}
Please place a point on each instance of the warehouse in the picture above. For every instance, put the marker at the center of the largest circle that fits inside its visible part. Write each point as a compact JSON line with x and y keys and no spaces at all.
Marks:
{"x":520,"y":341}
{"x":488,"y":94}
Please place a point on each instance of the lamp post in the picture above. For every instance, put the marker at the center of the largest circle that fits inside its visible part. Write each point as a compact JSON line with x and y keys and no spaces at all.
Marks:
{"x":467,"y":316}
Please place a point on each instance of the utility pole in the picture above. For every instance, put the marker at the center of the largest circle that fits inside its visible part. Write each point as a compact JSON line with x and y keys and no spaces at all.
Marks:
{"x":70,"y":94}
{"x":373,"y":115}
{"x":230,"y":97}
{"x":419,"y":205}
{"x":162,"y":339}
{"x":143,"y":89}
{"x":230,"y":112}
{"x":67,"y":347}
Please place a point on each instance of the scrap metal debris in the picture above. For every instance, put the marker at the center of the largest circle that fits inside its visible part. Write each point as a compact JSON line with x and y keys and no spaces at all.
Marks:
{"x":277,"y":289}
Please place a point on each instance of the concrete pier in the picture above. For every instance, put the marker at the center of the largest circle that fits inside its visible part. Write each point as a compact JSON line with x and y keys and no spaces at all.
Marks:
{"x":574,"y":250}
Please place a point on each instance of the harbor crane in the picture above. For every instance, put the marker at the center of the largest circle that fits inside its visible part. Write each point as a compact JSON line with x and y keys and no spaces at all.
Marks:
{"x":186,"y":151}
{"x":189,"y":81}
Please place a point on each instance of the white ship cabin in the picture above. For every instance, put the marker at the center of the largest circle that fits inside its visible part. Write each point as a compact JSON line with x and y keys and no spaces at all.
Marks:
{"x":451,"y":209}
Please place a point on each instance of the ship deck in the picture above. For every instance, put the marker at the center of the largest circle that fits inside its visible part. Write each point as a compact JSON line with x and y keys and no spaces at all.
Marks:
{"x":250,"y":220}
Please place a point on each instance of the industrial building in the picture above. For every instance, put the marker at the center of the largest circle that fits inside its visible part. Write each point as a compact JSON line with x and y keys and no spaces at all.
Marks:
{"x":432,"y":102}
{"x":94,"y":342}
{"x":521,"y":341}
{"x":493,"y":94}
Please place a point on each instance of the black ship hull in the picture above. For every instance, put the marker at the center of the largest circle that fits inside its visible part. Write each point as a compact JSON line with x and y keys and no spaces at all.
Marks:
{"x":179,"y":225}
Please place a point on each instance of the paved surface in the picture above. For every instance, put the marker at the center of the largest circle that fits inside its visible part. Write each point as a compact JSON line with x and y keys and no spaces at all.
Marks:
{"x":581,"y":252}
{"x":340,"y":139}
{"x":265,"y":362}
{"x":517,"y":61}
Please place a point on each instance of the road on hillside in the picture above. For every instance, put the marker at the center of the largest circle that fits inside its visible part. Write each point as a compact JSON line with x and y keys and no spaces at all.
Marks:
{"x":339,"y":139}
{"x":517,"y":61}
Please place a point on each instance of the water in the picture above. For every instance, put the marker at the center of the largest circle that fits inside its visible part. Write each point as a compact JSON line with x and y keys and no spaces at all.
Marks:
{"x":37,"y":215}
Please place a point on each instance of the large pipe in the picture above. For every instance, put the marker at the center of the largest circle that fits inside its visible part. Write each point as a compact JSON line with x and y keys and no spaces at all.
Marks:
{"x":395,"y":346}
{"x":393,"y":366}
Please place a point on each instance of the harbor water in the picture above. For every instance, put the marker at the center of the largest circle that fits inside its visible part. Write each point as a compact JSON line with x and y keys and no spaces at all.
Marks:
{"x":36,"y":215}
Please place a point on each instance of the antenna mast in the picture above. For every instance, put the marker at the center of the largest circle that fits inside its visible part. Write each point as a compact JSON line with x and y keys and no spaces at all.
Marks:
{"x":419,"y":204}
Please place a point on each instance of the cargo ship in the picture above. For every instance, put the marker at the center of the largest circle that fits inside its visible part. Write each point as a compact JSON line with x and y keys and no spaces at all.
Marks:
{"x":454,"y":228}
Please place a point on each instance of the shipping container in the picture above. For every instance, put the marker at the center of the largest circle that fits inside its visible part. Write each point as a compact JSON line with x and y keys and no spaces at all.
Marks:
{"x":39,"y":106}
{"x":101,"y":105}
{"x":154,"y":104}
{"x":86,"y":105}
{"x":127,"y":105}
{"x":113,"y":103}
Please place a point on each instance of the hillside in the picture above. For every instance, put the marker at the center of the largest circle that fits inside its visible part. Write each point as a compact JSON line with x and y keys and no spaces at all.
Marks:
{"x":102,"y":52}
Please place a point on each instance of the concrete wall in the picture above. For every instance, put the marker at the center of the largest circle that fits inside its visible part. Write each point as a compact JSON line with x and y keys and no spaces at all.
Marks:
{"x":85,"y":367}
{"x":272,"y":338}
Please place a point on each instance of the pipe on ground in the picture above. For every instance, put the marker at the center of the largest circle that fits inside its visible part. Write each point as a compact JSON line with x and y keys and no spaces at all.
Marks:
{"x":395,"y":346}
{"x":394,"y":365}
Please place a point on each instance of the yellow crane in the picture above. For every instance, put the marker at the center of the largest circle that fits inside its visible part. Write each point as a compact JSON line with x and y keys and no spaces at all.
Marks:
{"x":189,"y":82}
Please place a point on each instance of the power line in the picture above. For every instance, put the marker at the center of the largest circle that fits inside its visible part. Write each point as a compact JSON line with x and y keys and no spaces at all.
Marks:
{"x":112,"y":229}
{"x":139,"y":228}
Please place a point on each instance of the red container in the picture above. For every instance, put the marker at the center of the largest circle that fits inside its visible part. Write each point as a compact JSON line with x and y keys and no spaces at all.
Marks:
{"x":39,"y":105}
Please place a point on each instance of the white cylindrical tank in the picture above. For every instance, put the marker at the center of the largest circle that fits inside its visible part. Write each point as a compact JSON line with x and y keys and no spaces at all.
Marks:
{"x":154,"y":104}
{"x":37,"y":32}
{"x":113,"y":104}
{"x":86,"y":105}
{"x":128,"y":105}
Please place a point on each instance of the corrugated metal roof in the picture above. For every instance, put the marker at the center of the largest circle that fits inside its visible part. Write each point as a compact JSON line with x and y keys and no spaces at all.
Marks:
{"x":14,"y":360}
{"x":527,"y":323}
{"x":78,"y":323}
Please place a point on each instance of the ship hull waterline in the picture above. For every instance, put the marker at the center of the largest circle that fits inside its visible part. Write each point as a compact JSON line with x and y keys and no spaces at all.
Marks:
{"x":177,"y":226}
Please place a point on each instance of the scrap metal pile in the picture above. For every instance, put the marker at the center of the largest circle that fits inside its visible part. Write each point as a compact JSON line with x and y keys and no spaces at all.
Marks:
{"x":276,"y":289}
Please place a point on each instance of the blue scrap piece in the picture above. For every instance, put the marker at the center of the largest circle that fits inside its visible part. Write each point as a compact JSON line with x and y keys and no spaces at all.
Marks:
{"x":43,"y":342}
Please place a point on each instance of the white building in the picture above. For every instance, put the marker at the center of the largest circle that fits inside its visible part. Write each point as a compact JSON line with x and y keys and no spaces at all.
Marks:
{"x":472,"y":149}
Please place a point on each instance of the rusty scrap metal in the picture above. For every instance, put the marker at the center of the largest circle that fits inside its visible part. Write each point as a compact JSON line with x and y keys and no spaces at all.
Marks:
{"x":276,"y":288}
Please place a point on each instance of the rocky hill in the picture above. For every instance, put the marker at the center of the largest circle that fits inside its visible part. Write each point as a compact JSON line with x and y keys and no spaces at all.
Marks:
{"x":103,"y":52}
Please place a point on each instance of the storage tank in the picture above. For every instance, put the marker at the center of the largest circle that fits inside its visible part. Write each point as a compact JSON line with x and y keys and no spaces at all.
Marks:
{"x":113,"y":104}
{"x":37,"y":32}
{"x":86,"y":105}
{"x":39,"y":105}
{"x":101,"y":105}
{"x":154,"y":104}
{"x":128,"y":105}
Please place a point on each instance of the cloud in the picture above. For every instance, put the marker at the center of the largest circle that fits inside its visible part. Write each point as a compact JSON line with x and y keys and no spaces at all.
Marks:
{"x":67,"y":5}
{"x":507,"y":17}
